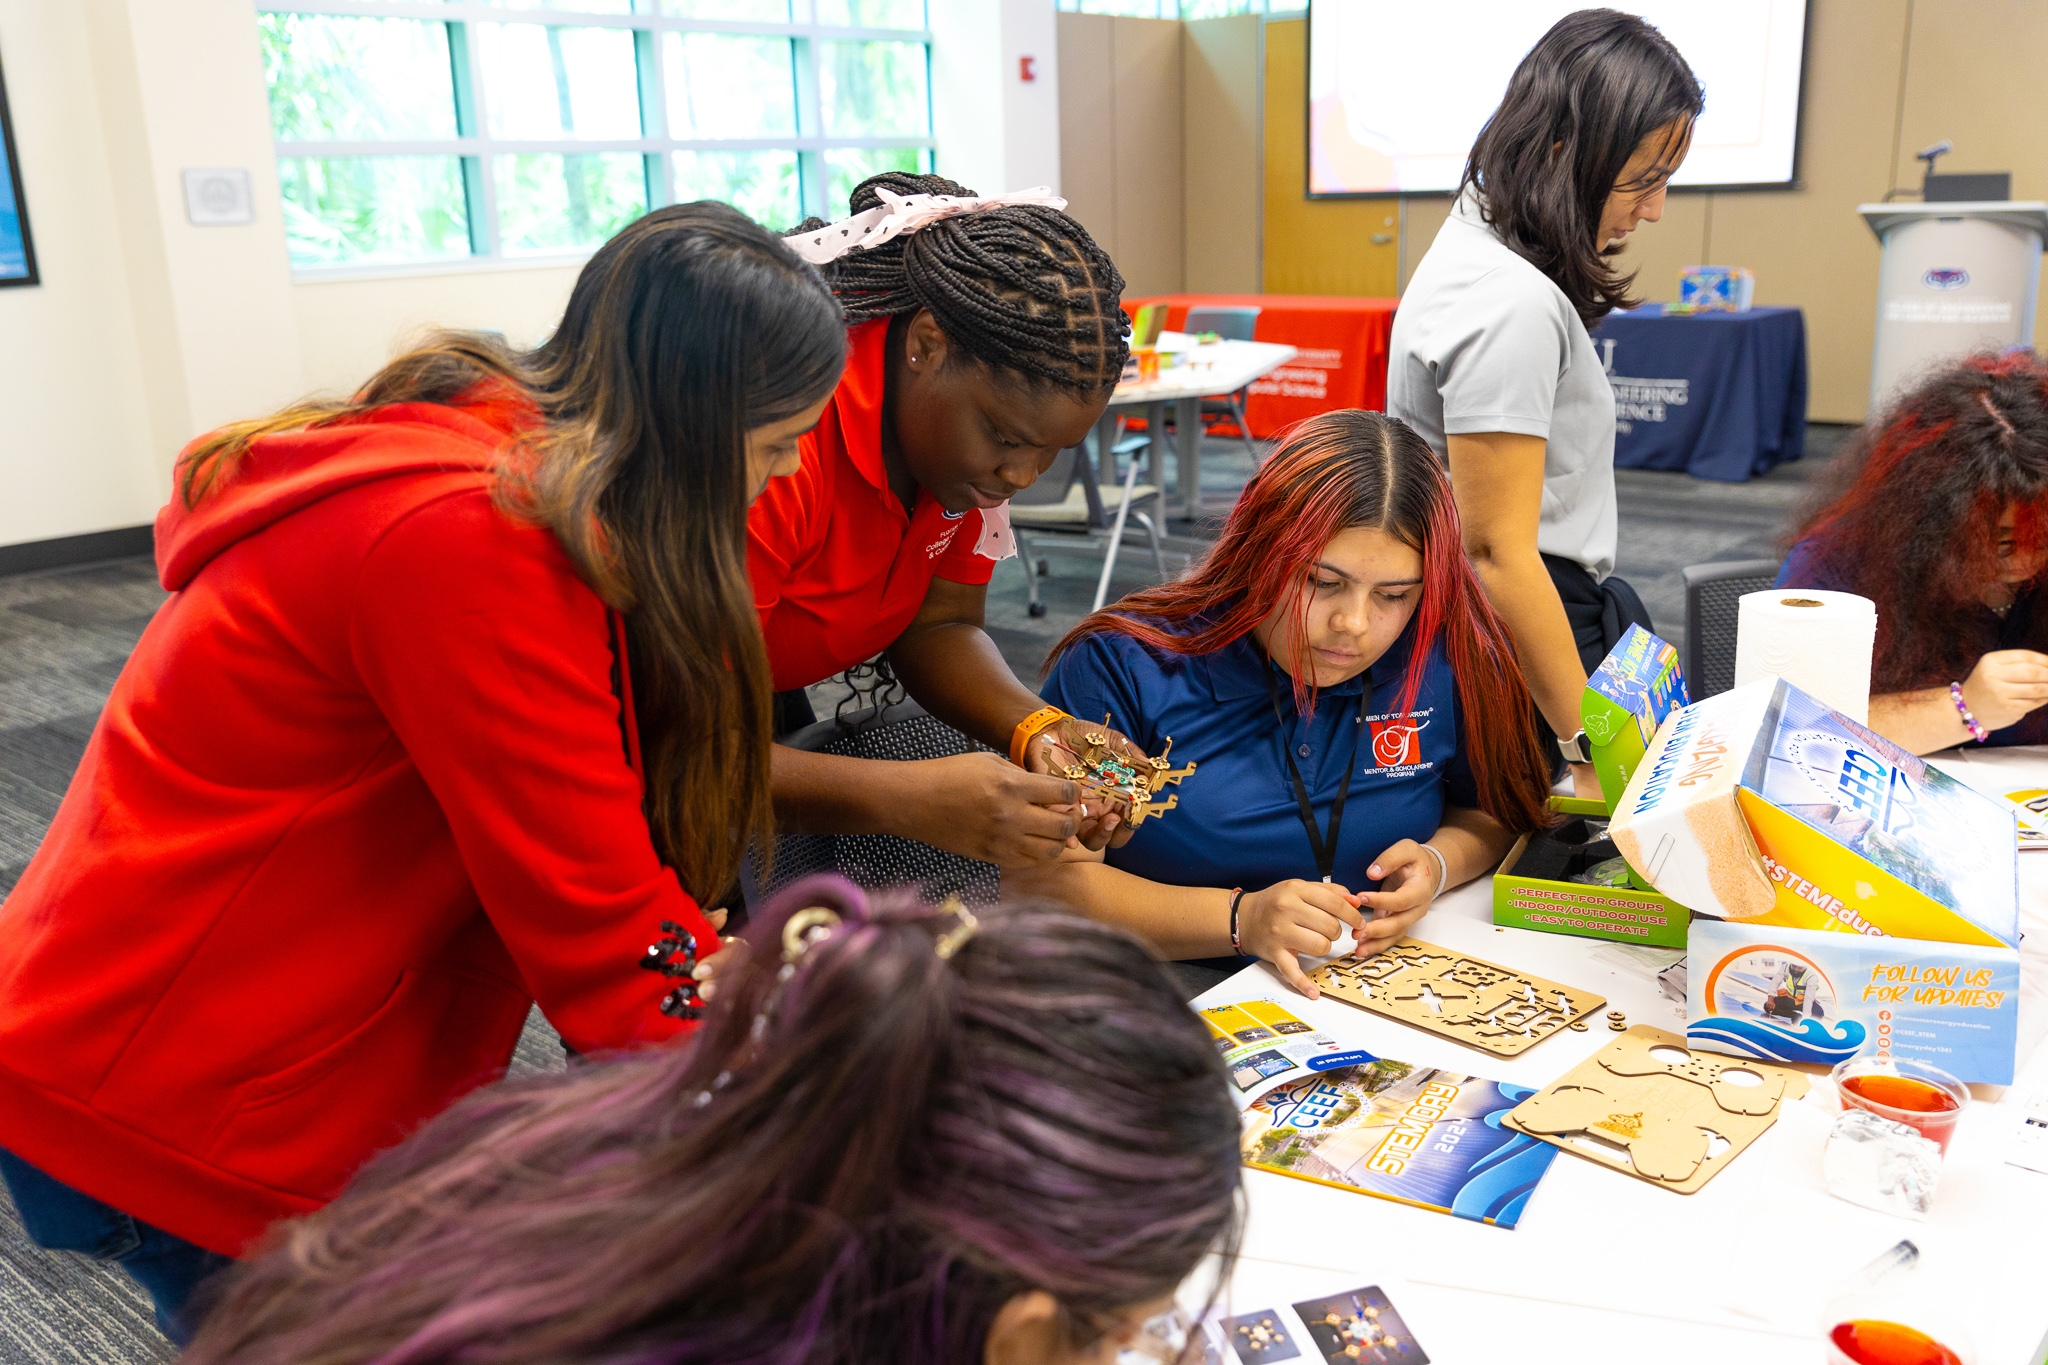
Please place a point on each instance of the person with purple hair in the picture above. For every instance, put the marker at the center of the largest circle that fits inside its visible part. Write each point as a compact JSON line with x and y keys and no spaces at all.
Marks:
{"x":902,"y":1134}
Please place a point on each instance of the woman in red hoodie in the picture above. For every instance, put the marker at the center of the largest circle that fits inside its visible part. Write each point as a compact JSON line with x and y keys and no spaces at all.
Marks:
{"x":380,"y":774}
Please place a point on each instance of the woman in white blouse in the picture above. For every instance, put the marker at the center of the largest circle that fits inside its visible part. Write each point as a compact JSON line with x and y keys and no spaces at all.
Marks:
{"x":1491,"y":357}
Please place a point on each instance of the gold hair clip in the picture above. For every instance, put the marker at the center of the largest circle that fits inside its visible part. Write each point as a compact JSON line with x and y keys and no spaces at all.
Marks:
{"x":804,"y":928}
{"x":954,"y":939}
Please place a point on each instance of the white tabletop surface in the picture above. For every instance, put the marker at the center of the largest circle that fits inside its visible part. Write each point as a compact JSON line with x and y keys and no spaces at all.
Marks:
{"x":1604,"y":1266}
{"x":1205,"y":369}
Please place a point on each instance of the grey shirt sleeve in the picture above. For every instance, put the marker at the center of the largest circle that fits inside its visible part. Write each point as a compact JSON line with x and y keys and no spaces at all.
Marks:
{"x":1502,"y":351}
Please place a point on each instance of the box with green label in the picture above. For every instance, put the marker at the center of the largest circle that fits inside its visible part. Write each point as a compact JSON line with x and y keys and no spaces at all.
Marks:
{"x":1572,"y":879}
{"x":1536,"y":889}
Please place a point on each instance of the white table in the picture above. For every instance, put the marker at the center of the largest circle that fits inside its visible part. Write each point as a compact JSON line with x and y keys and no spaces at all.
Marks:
{"x":1607,"y":1267}
{"x":1203,"y":371}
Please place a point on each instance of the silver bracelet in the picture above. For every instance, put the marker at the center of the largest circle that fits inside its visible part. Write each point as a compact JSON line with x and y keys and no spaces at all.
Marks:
{"x":1443,"y":870}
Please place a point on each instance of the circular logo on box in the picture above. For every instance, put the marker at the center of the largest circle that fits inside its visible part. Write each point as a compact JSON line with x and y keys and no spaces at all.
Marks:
{"x":1945,"y":279}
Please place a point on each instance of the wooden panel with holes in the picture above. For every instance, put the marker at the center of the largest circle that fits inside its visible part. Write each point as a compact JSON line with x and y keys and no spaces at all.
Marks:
{"x":1466,"y":999}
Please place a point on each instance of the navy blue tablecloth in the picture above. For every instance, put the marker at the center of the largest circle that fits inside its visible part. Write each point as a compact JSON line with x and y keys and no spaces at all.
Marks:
{"x":1718,"y":395}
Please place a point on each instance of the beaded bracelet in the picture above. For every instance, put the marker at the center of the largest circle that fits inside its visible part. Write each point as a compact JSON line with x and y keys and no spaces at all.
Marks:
{"x":1236,"y":895}
{"x":1977,"y":730}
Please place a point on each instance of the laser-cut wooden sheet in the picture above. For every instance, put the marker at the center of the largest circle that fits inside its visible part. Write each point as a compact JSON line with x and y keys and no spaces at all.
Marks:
{"x":1463,"y":998}
{"x":1675,"y":1123}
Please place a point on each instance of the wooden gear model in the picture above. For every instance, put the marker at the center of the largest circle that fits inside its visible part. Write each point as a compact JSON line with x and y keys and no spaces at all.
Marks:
{"x":1133,"y":781}
{"x":1647,"y":1105}
{"x":1466,"y":999}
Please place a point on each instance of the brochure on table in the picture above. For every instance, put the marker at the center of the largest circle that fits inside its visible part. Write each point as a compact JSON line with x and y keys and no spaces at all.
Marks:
{"x":1317,"y":1111}
{"x":1851,"y":897}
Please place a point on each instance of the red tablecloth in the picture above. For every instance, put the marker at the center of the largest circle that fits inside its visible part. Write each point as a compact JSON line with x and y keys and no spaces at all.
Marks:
{"x":1343,"y":345}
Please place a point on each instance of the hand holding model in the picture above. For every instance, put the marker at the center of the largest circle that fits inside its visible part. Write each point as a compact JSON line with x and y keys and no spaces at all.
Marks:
{"x":1319,"y":919}
{"x":982,"y":806}
{"x":1297,"y":916}
{"x":1105,"y":819}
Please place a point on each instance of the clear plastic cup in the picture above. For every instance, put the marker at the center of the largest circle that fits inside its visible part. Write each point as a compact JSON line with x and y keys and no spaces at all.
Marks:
{"x":1924,"y":1098}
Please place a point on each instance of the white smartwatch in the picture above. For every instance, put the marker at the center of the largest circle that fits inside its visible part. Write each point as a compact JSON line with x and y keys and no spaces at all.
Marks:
{"x":1575,"y":749}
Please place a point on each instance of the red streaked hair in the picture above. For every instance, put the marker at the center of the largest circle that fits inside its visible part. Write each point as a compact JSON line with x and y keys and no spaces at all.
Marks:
{"x":1909,"y":517}
{"x":1333,"y":473}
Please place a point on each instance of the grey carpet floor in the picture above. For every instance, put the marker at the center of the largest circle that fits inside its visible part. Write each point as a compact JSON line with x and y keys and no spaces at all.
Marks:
{"x":64,"y":636}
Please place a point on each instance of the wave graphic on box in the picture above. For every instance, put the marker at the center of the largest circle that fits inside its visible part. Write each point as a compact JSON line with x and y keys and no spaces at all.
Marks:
{"x":1812,"y":1041}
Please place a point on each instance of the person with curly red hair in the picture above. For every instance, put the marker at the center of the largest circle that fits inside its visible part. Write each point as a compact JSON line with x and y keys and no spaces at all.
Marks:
{"x":1939,"y":515}
{"x":1351,"y":703}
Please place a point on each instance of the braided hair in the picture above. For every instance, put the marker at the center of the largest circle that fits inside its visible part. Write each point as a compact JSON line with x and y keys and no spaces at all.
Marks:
{"x":1021,"y":288}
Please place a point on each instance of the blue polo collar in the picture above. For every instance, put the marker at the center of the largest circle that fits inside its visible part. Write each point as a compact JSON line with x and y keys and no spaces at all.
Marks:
{"x":1238,"y":670}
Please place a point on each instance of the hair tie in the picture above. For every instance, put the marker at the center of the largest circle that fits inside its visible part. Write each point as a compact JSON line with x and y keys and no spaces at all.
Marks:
{"x":905,"y":213}
{"x":806,"y":927}
{"x":953,"y":940}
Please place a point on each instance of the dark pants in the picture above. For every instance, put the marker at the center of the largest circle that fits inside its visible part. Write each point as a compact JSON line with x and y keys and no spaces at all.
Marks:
{"x":60,"y":1218}
{"x":1600,"y":613}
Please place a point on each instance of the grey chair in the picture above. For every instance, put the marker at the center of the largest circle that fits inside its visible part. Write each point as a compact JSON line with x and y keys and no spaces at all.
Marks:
{"x":1069,"y":500}
{"x":1231,"y":324}
{"x":899,"y":731}
{"x":1712,"y":594}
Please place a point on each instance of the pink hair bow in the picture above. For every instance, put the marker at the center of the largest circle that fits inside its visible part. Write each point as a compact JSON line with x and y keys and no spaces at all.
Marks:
{"x":901,"y":213}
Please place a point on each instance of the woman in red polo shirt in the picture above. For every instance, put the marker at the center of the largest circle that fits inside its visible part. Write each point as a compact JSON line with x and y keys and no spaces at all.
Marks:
{"x":372,"y":781}
{"x":981,"y":344}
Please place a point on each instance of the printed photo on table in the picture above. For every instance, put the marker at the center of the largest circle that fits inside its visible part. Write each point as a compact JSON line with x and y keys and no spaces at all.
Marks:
{"x":1360,"y":1325}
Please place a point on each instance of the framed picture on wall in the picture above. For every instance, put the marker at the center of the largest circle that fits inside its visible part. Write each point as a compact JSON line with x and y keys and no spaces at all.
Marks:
{"x":17,"y":251}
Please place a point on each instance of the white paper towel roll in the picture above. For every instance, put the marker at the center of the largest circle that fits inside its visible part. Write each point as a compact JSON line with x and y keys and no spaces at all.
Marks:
{"x":1820,"y":642}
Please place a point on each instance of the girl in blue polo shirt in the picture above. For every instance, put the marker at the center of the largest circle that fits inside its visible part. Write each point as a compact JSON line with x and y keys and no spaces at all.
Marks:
{"x":1360,"y":727}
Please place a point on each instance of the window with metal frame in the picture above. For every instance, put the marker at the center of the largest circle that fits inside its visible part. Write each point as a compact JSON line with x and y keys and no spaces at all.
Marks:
{"x":420,"y":132}
{"x":1184,"y":9}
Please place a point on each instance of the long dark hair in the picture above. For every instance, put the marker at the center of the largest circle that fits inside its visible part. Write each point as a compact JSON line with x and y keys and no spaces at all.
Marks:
{"x":687,"y":329}
{"x":1592,"y":88}
{"x":1022,"y":288}
{"x":1330,"y":474}
{"x":861,"y":1163}
{"x":1908,"y":516}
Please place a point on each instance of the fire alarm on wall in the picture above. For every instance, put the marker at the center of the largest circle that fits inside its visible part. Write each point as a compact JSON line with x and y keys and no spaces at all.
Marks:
{"x":1027,"y":68}
{"x":218,"y":196}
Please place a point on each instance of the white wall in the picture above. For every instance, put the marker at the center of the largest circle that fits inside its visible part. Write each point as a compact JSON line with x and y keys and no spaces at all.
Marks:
{"x":187,"y":81}
{"x":147,"y":330}
{"x":349,"y":327}
{"x":995,"y":131}
{"x":75,"y":438}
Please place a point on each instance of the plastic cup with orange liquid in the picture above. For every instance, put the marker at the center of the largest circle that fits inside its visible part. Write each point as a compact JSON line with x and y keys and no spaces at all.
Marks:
{"x":1872,"y":1330}
{"x":1924,"y":1098}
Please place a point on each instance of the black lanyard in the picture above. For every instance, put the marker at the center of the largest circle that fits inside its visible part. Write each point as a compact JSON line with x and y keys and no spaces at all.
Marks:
{"x":1326,"y":852}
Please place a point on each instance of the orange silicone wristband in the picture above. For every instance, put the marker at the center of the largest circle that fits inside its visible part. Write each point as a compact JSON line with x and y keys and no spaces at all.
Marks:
{"x":1028,"y":728}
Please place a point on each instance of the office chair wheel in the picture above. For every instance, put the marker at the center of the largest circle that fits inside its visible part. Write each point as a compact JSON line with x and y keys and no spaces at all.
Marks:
{"x":1036,"y":609}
